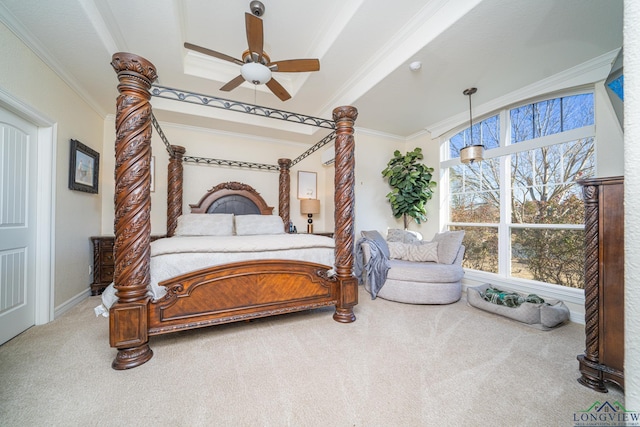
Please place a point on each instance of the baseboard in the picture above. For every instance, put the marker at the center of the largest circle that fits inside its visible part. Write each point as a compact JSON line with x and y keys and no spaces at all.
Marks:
{"x":576,"y":317}
{"x":70,"y":303}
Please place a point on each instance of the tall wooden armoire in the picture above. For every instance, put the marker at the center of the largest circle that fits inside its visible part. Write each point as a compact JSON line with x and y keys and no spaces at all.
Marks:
{"x":603,"y":360}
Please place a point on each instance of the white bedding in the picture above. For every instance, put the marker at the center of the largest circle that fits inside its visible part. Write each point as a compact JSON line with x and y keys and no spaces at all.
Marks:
{"x":171,"y":257}
{"x":242,"y":244}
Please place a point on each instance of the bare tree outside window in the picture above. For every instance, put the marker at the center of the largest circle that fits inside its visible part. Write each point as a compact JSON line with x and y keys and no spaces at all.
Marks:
{"x":545,"y":205}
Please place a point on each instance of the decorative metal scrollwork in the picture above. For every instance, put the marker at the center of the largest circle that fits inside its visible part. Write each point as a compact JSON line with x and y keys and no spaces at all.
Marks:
{"x":227,"y":104}
{"x":232,"y":163}
{"x":163,"y":137}
{"x":175,"y":94}
{"x":324,"y":141}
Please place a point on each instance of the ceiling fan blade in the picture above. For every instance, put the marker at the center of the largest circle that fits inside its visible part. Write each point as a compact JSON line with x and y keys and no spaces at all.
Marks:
{"x":278,"y":90}
{"x":233,"y":84}
{"x":295,"y":65}
{"x":255,"y":34}
{"x":213,"y":53}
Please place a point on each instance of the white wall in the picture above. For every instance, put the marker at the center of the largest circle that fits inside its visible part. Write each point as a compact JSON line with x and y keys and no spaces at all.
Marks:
{"x":632,"y":203}
{"x":372,"y":210}
{"x":27,"y":78}
{"x":609,"y":136}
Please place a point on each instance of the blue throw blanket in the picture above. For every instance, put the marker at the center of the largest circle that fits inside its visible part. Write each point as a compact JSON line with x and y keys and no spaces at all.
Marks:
{"x":378,"y":265}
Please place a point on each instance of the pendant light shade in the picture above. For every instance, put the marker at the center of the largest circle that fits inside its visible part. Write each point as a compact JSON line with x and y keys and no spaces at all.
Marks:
{"x":471,"y":152}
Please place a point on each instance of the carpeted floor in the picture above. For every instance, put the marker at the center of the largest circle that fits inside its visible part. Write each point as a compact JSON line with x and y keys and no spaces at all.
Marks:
{"x":397,"y":365}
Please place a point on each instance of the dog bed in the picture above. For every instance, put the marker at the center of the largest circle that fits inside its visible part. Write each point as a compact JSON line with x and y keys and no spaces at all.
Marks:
{"x":543,"y":315}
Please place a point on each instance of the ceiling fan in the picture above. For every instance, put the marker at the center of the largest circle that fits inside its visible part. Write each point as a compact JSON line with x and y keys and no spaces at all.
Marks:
{"x":256,"y":66}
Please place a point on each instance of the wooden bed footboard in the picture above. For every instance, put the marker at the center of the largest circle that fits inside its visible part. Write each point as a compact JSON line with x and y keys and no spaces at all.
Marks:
{"x":240,"y":291}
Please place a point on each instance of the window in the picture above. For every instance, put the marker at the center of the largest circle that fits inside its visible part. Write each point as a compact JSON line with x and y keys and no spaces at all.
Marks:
{"x":485,"y":132}
{"x":521,"y":207}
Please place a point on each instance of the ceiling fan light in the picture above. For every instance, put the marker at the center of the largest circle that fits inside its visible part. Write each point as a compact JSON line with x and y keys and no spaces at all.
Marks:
{"x":255,"y":73}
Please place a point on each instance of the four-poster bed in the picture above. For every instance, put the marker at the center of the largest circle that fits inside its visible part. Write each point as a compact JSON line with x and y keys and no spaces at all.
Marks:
{"x":222,"y":293}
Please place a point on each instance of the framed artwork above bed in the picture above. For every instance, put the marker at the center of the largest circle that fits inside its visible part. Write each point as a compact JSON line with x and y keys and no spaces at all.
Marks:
{"x":307,"y":185}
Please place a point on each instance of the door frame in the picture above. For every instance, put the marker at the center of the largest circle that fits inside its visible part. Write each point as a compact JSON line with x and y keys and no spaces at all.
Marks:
{"x":45,"y":203}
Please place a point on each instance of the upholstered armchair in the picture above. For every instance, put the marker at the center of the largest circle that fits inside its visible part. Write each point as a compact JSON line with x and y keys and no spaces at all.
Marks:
{"x":418,"y":272}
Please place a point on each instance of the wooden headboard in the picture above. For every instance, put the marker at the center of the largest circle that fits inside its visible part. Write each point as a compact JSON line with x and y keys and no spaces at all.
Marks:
{"x":232,"y":197}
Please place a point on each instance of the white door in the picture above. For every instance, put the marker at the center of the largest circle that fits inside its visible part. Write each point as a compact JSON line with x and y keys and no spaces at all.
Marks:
{"x":18,"y":162}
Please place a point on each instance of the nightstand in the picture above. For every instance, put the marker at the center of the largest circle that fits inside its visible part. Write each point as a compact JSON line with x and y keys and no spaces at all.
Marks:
{"x":104,"y":262}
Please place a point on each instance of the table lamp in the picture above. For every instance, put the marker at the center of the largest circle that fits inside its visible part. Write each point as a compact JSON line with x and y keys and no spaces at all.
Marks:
{"x":309,"y":207}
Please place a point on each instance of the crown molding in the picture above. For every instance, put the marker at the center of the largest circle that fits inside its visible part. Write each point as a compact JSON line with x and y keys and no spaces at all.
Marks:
{"x":372,"y":132}
{"x":36,"y":47}
{"x":588,"y":72}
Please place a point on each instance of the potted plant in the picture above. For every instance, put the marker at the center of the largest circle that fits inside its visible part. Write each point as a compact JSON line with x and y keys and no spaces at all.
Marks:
{"x":412,"y":185}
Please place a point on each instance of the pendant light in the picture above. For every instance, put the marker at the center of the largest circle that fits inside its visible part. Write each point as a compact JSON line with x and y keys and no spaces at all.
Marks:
{"x":471,"y":152}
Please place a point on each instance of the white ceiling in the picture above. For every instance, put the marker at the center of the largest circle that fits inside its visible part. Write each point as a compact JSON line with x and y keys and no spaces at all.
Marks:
{"x":364,"y":48}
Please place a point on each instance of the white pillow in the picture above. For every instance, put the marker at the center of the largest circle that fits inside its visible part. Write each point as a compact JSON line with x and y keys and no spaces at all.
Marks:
{"x":250,"y":225}
{"x":449,"y":245}
{"x":205,"y":225}
{"x":427,"y":251}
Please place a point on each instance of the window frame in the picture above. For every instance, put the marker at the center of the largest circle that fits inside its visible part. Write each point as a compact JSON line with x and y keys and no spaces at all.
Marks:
{"x":504,"y":151}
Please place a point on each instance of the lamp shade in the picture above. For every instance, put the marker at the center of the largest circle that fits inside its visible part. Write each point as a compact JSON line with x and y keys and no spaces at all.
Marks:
{"x":255,"y":73}
{"x":309,"y":206}
{"x":471,"y":153}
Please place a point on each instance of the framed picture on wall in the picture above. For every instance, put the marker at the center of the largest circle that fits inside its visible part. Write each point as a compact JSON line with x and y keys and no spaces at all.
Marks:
{"x":307,"y":185}
{"x":84,"y":167}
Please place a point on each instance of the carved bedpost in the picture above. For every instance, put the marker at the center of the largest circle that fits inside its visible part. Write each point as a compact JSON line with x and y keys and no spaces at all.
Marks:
{"x":128,"y":317}
{"x":590,"y":194}
{"x":174,"y":188}
{"x":592,"y":285}
{"x":344,"y":213}
{"x":284,"y":192}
